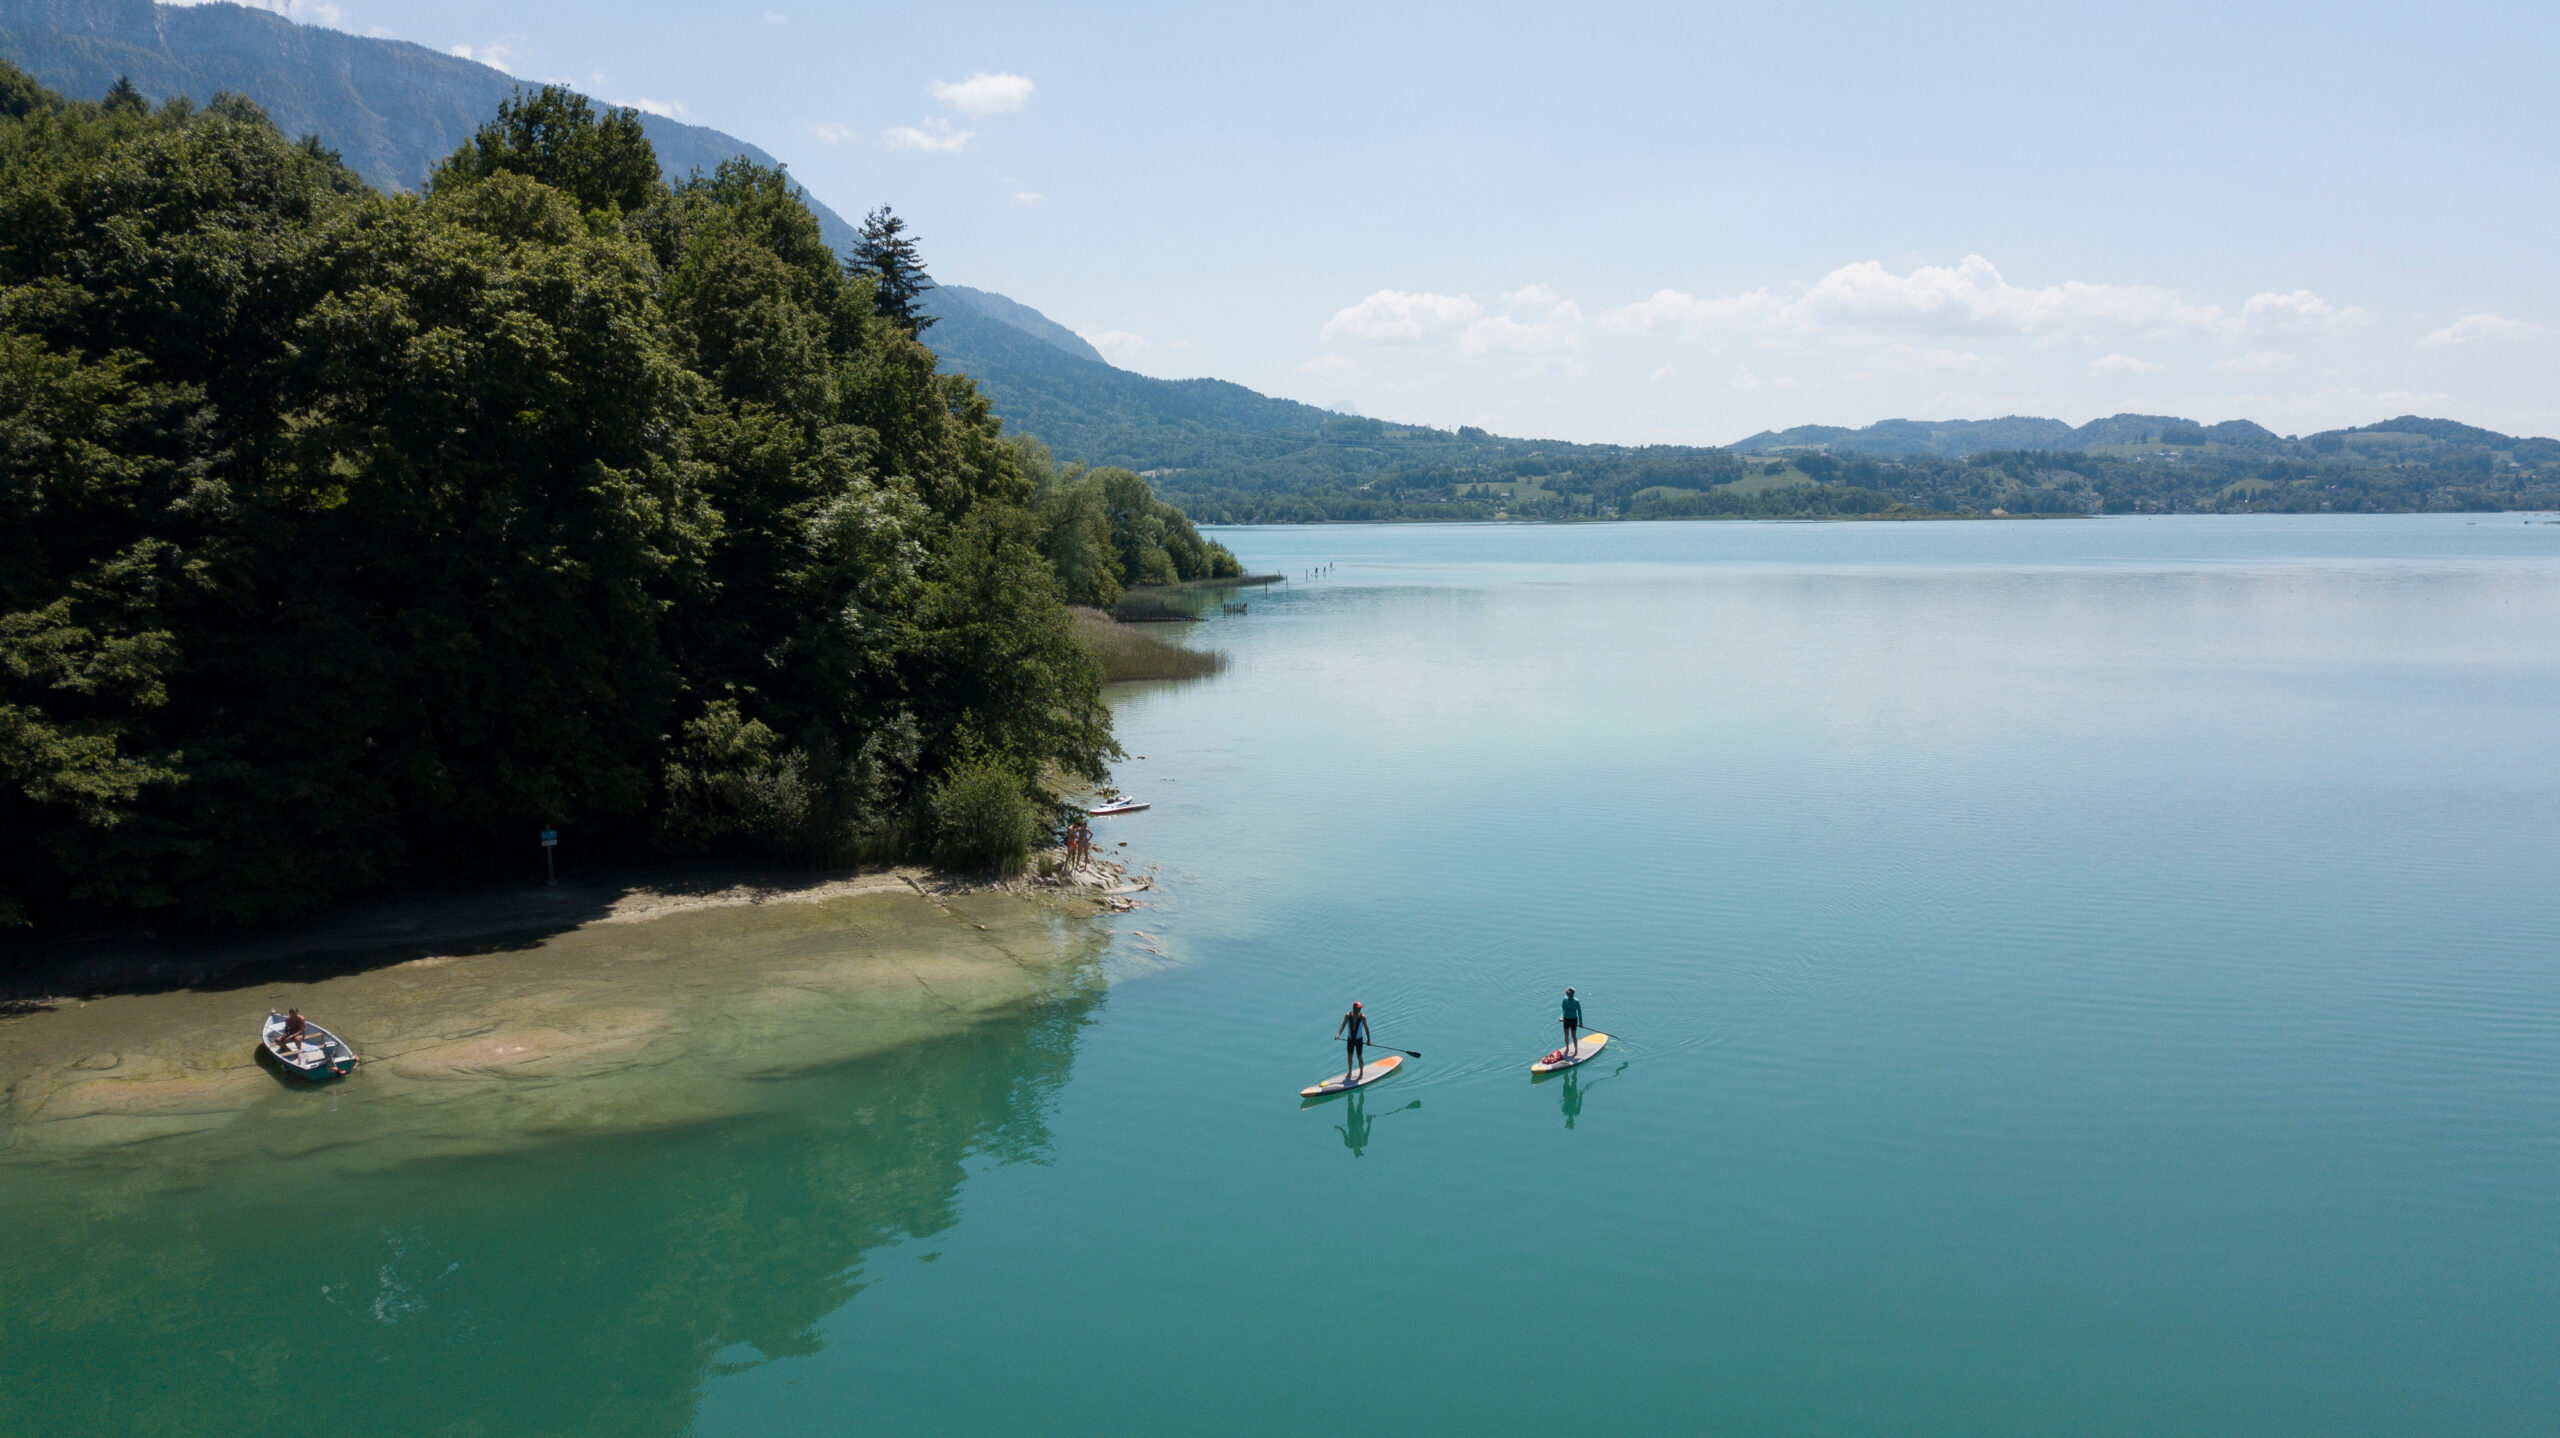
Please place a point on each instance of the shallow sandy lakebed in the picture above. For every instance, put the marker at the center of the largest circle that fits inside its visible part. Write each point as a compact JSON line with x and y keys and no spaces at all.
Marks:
{"x":648,"y":1008}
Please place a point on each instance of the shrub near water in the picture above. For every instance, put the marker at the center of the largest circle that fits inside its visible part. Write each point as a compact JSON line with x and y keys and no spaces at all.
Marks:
{"x":983,"y":820}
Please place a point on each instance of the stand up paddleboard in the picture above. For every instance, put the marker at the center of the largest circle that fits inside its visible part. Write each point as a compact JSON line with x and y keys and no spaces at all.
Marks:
{"x":1584,"y":1052}
{"x":1371,"y":1072}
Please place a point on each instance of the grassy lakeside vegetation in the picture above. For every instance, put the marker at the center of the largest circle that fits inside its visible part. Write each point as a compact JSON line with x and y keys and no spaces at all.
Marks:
{"x":1127,"y":652}
{"x":355,"y":537}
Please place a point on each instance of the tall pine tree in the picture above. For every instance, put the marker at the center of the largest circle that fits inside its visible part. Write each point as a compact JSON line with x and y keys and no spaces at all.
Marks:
{"x":886,"y":254}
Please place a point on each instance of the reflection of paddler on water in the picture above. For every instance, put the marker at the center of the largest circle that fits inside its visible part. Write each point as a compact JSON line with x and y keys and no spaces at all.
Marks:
{"x":1575,"y":1087}
{"x":1357,"y":1121}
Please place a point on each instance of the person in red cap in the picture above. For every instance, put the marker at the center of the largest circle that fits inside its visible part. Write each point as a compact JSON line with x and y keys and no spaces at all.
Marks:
{"x":1354,"y":1033}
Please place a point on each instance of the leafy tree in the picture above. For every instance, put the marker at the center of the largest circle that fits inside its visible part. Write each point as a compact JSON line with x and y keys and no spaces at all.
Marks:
{"x":886,"y":254}
{"x":21,"y":96}
{"x":554,"y":136}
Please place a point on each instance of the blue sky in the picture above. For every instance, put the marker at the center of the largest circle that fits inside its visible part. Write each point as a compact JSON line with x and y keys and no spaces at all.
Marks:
{"x":1675,"y":223}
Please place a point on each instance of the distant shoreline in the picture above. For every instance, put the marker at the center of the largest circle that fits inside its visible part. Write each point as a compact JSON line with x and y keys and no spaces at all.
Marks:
{"x":1920,"y":517}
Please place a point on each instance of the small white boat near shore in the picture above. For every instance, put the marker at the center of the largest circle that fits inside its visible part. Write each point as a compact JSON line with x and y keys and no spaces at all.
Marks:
{"x":318,"y":1054}
{"x":1117,"y":806}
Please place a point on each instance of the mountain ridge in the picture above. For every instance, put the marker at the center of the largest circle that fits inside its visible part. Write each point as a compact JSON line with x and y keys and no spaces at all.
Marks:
{"x":390,"y":108}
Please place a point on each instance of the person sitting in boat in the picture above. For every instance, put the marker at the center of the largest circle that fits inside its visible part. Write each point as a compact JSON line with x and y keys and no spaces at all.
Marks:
{"x":1354,"y":1032}
{"x":1572,"y":1023}
{"x":297,"y":1032}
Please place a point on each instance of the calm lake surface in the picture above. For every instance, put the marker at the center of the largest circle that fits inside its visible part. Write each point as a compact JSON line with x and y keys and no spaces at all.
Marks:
{"x":2095,"y":977}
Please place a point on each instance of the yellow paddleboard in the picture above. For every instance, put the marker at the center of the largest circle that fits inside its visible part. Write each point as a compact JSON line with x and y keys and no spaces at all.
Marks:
{"x":1370,"y":1072}
{"x":1584,"y":1051}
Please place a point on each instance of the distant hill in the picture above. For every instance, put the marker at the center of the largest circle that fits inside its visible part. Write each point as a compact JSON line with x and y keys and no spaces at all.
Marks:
{"x":390,"y":108}
{"x":1956,"y":438}
{"x":1013,"y":314}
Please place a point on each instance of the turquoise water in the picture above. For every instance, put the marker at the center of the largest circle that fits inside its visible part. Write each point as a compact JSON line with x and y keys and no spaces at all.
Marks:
{"x":2096,"y":977}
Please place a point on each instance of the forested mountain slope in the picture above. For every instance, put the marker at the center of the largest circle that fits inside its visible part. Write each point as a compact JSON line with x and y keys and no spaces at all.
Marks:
{"x":390,"y":109}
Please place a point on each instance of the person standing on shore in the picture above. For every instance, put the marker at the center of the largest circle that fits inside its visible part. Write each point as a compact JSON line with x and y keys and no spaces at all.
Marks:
{"x":1354,"y":1033}
{"x":1572,"y":1022}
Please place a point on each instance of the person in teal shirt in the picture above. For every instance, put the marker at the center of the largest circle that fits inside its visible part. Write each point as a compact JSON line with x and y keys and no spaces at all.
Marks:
{"x":1572,"y":1022}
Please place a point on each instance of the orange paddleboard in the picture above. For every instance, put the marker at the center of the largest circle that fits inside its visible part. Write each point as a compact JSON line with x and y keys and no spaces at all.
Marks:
{"x":1583,"y":1052}
{"x":1370,"y":1072}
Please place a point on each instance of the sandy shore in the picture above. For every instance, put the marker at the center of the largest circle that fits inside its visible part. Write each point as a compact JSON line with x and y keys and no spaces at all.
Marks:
{"x":494,"y":1020}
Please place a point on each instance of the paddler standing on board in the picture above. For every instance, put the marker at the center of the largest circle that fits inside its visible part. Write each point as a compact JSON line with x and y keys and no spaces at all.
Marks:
{"x":1354,"y":1033}
{"x":1572,"y":1024}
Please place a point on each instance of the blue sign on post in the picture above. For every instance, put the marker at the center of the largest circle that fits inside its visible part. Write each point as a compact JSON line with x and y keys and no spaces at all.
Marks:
{"x":550,"y":838}
{"x":550,"y":841}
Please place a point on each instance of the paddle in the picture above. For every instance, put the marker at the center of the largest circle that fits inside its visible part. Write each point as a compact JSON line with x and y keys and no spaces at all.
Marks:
{"x":1391,"y":1048}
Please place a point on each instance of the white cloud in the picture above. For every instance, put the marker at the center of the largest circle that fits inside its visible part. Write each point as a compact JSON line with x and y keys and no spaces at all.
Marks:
{"x":1532,"y":297}
{"x":776,"y":17}
{"x":1692,"y":315}
{"x":497,"y":55}
{"x":1114,"y":343}
{"x":1666,"y":372}
{"x":308,"y":12}
{"x":2473,"y":327}
{"x":984,"y":93}
{"x":2299,"y":313}
{"x":931,"y":135}
{"x":1331,"y":364}
{"x":1968,"y":297}
{"x":1749,"y":383}
{"x":1393,"y":315}
{"x":2125,"y":364}
{"x":1973,"y":297}
{"x":1561,"y":330}
{"x":1903,"y":359}
{"x":1030,"y":198}
{"x":835,"y":134}
{"x":2254,"y":362}
{"x":1973,"y":404}
{"x":664,"y":109}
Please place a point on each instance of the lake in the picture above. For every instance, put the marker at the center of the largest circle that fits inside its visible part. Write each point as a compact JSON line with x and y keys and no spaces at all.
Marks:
{"x":2093,"y":976}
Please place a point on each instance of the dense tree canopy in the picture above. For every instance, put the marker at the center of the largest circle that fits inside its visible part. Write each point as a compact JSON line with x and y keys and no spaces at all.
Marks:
{"x":347,"y":536}
{"x":1104,"y":531}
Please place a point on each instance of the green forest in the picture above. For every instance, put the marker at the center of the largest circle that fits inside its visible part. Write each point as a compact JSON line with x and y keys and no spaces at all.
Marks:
{"x":2396,"y":466}
{"x":353,"y":538}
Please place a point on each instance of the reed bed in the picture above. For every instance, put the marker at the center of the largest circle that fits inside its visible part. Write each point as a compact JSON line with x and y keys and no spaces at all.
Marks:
{"x":1128,"y":653}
